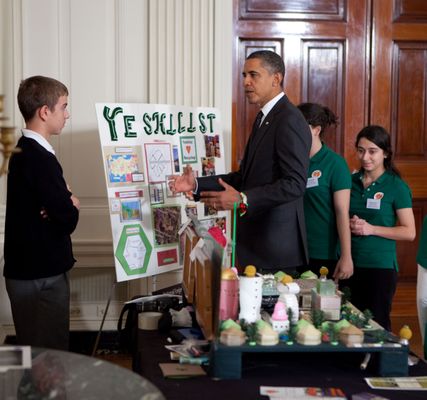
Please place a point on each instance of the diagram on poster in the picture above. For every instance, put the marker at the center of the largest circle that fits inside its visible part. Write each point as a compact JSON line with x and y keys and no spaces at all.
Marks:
{"x":133,"y":250}
{"x":143,"y":145}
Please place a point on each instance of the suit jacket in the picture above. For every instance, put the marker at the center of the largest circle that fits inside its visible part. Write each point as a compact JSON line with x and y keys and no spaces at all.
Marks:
{"x":37,"y":247}
{"x":273,"y":175}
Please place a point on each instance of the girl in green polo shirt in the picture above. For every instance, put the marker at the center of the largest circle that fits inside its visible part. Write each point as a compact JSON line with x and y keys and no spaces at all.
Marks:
{"x":327,"y":199}
{"x":422,"y":280}
{"x":381,"y":213}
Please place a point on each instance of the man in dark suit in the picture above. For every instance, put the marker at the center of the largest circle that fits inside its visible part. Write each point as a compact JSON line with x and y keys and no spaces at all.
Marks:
{"x":41,"y":213}
{"x":270,"y":183}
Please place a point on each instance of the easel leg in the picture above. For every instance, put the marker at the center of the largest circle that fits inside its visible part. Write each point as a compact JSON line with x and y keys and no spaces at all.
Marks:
{"x":98,"y":336}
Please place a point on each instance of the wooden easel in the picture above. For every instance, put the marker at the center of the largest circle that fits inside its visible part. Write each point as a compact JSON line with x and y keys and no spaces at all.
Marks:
{"x":189,"y":269}
{"x":201,"y":278}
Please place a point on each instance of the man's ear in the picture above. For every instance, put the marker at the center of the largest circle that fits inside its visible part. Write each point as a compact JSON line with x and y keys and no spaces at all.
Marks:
{"x":277,"y":79}
{"x":43,"y":112}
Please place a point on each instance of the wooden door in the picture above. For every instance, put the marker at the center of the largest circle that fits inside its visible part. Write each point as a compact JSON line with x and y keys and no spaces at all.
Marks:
{"x":324,"y":44}
{"x":364,"y":59}
{"x":399,"y":99}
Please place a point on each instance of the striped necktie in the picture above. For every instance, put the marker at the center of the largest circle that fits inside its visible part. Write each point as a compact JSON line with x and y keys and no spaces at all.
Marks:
{"x":257,"y":122}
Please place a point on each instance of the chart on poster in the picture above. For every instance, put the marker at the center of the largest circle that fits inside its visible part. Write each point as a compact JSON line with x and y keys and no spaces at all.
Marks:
{"x":142,"y":146}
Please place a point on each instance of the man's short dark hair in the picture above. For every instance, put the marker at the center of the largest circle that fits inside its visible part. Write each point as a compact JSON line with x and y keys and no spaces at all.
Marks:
{"x":270,"y":61}
{"x":38,"y":91}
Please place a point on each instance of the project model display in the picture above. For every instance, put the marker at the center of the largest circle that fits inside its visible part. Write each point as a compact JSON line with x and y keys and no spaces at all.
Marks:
{"x":282,"y":314}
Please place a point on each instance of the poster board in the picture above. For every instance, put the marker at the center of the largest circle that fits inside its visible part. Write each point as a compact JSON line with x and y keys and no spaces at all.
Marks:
{"x":142,"y":146}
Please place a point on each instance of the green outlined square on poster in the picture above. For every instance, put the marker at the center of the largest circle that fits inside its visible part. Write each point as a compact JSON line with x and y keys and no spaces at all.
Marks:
{"x":188,"y":149}
{"x":134,"y":250}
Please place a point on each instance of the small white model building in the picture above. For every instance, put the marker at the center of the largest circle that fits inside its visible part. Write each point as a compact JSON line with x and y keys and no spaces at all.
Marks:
{"x":326,"y":298}
{"x":304,"y":296}
{"x":351,"y":335}
{"x":288,"y":296}
{"x":267,"y":336}
{"x":232,"y":337}
{"x":308,"y":335}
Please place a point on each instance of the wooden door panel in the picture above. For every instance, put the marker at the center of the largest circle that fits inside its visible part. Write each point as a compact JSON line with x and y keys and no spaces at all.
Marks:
{"x":292,"y":9}
{"x":408,"y":116}
{"x":410,"y":10}
{"x":322,"y":81}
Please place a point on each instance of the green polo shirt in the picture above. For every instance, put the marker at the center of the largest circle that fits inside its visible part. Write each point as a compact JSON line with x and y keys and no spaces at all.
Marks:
{"x":328,"y":173}
{"x":422,"y":246}
{"x":377,"y":204}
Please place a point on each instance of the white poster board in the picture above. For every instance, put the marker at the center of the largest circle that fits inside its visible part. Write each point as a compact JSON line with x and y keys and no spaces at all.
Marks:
{"x":142,"y":145}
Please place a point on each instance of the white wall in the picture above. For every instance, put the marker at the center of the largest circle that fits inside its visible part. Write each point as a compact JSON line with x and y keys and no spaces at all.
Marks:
{"x":156,"y":51}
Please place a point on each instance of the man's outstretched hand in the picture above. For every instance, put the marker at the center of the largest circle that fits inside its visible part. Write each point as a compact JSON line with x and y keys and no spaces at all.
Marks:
{"x":183,"y":183}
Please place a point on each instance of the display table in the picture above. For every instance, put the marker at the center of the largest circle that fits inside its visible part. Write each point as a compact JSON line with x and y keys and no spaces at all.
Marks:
{"x":226,"y":361}
{"x":62,"y":375}
{"x":308,"y":368}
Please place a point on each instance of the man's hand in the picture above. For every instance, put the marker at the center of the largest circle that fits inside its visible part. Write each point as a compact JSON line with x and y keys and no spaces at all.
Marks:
{"x":183,"y":183}
{"x":221,"y":200}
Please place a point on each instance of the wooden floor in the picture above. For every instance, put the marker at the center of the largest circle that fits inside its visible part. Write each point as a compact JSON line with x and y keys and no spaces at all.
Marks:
{"x":123,"y":360}
{"x":404,"y":313}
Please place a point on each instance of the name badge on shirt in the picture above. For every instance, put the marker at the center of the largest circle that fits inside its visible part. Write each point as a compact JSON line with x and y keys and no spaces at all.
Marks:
{"x":314,"y":179}
{"x":312,"y":182}
{"x":373,"y":204}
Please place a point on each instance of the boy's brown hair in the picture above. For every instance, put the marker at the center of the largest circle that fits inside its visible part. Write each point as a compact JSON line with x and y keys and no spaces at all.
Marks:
{"x":38,"y":91}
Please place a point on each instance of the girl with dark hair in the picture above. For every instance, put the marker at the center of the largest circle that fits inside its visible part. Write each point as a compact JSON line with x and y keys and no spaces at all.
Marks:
{"x":381,"y":213}
{"x":327,"y":199}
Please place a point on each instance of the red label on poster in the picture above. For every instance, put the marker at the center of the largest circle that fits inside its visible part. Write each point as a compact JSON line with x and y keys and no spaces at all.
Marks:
{"x":167,"y":257}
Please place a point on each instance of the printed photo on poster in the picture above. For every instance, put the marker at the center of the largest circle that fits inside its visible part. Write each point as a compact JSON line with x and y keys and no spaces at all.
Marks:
{"x":210,"y":210}
{"x":131,"y":210}
{"x":166,"y":224}
{"x":191,"y":210}
{"x":208,"y":166}
{"x":157,"y":195}
{"x":212,"y":146}
{"x":159,"y":161}
{"x":175,"y":153}
{"x":115,"y":206}
{"x":188,"y":149}
{"x":123,"y":165}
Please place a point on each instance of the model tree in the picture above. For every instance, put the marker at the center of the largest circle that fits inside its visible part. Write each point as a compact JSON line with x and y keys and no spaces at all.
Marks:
{"x":317,"y":317}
